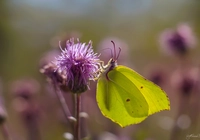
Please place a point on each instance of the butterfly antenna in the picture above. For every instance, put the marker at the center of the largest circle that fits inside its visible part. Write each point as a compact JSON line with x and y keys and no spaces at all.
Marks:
{"x":114,"y":49}
{"x":119,"y":53}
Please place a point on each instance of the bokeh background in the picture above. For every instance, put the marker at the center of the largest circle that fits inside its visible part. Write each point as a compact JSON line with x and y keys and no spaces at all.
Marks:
{"x":30,"y":28}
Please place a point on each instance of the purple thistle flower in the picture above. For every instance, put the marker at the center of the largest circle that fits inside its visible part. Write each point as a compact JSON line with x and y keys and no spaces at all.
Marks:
{"x":178,"y":41}
{"x":80,"y":64}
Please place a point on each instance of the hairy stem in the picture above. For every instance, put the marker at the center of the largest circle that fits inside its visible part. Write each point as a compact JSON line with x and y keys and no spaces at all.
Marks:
{"x":77,"y":116}
{"x":64,"y":105}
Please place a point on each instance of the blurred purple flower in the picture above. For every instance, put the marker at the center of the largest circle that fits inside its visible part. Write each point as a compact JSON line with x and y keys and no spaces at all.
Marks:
{"x":157,"y":76}
{"x":185,"y":80}
{"x":25,"y":88}
{"x":80,"y":64}
{"x":177,"y":41}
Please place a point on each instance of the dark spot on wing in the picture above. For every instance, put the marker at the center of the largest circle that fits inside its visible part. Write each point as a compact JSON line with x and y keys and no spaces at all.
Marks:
{"x":128,"y":100}
{"x":141,"y":87}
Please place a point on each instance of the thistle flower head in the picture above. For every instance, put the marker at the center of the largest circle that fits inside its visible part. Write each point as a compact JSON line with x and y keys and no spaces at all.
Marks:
{"x":80,"y":64}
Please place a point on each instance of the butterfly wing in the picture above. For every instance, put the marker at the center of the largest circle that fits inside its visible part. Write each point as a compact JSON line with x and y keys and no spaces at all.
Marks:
{"x":154,"y":95}
{"x":120,"y":100}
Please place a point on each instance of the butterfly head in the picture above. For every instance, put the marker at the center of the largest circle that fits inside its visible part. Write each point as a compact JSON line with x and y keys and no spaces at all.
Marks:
{"x":112,"y":63}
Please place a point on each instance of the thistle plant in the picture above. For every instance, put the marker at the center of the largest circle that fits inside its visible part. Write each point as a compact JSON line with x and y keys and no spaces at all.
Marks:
{"x":73,"y":69}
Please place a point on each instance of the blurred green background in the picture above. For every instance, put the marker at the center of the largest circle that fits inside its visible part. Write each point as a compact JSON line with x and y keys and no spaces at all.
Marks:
{"x":27,"y":28}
